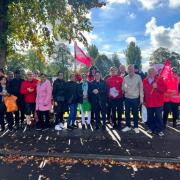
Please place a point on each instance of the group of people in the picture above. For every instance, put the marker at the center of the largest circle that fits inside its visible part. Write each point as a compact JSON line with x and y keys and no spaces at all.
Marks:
{"x":103,"y":99}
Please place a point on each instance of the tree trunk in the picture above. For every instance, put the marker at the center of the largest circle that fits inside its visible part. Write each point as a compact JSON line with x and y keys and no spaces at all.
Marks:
{"x":3,"y":31}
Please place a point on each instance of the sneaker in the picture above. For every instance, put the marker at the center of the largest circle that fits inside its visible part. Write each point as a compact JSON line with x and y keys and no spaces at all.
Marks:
{"x":58,"y":128}
{"x":136,"y":130}
{"x":16,"y":127}
{"x":161,"y":134}
{"x":74,"y":126}
{"x":89,"y":126}
{"x":83,"y":126}
{"x":38,"y":129}
{"x":149,"y":131}
{"x":45,"y":129}
{"x":70,"y":128}
{"x":126,"y":129}
{"x":61,"y":125}
{"x":10,"y":129}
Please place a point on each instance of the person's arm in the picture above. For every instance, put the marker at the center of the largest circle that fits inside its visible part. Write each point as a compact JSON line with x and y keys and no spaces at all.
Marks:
{"x":141,"y":90}
{"x":48,"y":93}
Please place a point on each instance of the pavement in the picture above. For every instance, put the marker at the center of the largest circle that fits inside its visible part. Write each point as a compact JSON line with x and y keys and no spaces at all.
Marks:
{"x":110,"y":145}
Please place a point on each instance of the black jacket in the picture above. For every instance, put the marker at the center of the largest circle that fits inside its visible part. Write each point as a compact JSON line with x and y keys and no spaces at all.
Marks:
{"x":101,"y":97}
{"x":73,"y":93}
{"x":59,"y":90}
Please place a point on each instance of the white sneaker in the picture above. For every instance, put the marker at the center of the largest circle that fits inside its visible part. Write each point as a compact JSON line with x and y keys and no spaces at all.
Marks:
{"x":136,"y":130}
{"x":161,"y":134}
{"x":58,"y":128}
{"x":126,"y":129}
{"x":61,"y":125}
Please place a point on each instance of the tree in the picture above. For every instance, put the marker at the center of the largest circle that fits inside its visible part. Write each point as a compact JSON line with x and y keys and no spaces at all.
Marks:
{"x":133,"y":54}
{"x":161,"y":54}
{"x":93,"y":52}
{"x":115,"y":60}
{"x":39,"y":23}
{"x":103,"y":64}
{"x":61,"y":60}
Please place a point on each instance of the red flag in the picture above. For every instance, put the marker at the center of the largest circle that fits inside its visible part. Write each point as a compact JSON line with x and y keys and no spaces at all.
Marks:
{"x":81,"y":56}
{"x":166,"y":72}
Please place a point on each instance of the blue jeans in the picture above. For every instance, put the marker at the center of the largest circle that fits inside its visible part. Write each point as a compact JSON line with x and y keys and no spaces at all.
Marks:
{"x":131,"y":104}
{"x":72,"y":114}
{"x":155,"y":120}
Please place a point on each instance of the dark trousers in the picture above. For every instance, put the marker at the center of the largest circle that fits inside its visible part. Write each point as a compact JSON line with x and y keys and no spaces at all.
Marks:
{"x":131,"y":104}
{"x":175,"y":112}
{"x":59,"y":117}
{"x":72,"y":114}
{"x":41,"y":123}
{"x":9,"y":118}
{"x":100,"y":109}
{"x":155,"y":120}
{"x":167,"y":109}
{"x":116,"y":107}
{"x":109,"y":108}
{"x":20,"y":114}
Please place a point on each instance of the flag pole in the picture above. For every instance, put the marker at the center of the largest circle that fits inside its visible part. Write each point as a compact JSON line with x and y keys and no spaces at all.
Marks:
{"x":75,"y":63}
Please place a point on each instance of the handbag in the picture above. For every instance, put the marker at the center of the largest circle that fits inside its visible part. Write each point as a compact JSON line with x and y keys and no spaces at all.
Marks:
{"x":10,"y":103}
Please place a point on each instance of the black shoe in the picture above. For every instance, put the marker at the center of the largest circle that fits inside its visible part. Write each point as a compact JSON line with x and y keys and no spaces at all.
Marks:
{"x":74,"y":126}
{"x":115,"y":126}
{"x":16,"y":127}
{"x":2,"y":129}
{"x":89,"y":126}
{"x":83,"y":127}
{"x":70,"y":128}
{"x":10,"y":129}
{"x":103,"y":128}
{"x":38,"y":129}
{"x":174,"y":125}
{"x":97,"y":127}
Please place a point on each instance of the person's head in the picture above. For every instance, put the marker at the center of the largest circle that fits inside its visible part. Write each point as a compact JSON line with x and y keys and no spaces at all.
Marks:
{"x":29,"y":76}
{"x":136,"y":68}
{"x":36,"y":74}
{"x":84,"y":77}
{"x":97,"y":76}
{"x":92,"y":70}
{"x":60,"y":75}
{"x":10,"y":75}
{"x":122,"y":69}
{"x":174,"y":70}
{"x":3,"y":80}
{"x":43,"y":77}
{"x":131,"y":70}
{"x":73,"y":77}
{"x":151,"y":72}
{"x":113,"y":71}
{"x":17,"y":74}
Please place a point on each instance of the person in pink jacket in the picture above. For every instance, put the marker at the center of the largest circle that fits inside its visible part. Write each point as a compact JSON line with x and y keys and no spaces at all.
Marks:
{"x":43,"y":102}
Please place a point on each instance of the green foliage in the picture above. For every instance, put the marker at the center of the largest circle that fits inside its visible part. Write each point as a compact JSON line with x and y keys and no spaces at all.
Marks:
{"x":133,"y":54}
{"x":161,"y":54}
{"x":39,"y":23}
{"x":115,"y":60}
{"x":103,"y":63}
{"x":93,"y":52}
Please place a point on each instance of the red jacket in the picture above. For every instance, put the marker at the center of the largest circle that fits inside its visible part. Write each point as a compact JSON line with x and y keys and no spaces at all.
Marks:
{"x":154,"y":97}
{"x":115,"y":82}
{"x":30,"y":97}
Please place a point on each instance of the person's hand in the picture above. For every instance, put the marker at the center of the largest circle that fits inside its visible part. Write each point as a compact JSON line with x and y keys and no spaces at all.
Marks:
{"x":95,"y":91}
{"x":31,"y":90}
{"x":55,"y":104}
{"x":154,"y":85}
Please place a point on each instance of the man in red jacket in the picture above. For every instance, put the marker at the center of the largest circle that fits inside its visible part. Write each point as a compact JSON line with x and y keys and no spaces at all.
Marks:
{"x":154,"y":89}
{"x":115,"y":95}
{"x":28,"y":89}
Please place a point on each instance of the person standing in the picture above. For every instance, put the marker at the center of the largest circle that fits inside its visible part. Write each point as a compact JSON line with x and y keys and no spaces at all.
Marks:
{"x":9,"y":116}
{"x":59,"y":91}
{"x":14,"y":89}
{"x":28,"y":89}
{"x":122,"y":70}
{"x":133,"y":90}
{"x":73,"y":97}
{"x":115,"y":96}
{"x":85,"y":105}
{"x":43,"y":102}
{"x":98,"y":98}
{"x":154,"y":89}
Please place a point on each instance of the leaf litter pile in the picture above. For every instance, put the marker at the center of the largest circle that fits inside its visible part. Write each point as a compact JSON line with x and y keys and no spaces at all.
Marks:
{"x":105,"y":164}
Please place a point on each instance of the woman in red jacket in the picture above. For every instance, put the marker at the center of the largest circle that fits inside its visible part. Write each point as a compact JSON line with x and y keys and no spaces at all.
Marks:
{"x":154,"y":89}
{"x":28,"y":89}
